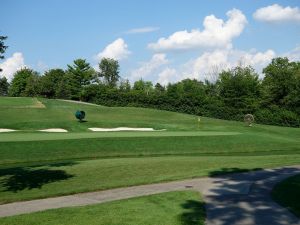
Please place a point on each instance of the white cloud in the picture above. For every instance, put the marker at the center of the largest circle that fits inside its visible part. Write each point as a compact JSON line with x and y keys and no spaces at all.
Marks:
{"x":277,"y":13}
{"x":166,"y":76}
{"x":41,"y":66}
{"x":293,"y":55}
{"x":117,"y":50}
{"x":142,"y":30}
{"x":149,"y":67}
{"x":258,"y":59}
{"x":216,"y":33}
{"x":201,"y":68}
{"x":209,"y":64}
{"x":11,"y":65}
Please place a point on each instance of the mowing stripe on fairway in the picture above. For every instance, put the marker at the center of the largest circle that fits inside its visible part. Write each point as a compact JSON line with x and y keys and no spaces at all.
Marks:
{"x":34,"y":136}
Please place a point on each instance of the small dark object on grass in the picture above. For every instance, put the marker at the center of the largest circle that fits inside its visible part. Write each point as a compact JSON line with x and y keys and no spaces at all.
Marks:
{"x":80,"y":115}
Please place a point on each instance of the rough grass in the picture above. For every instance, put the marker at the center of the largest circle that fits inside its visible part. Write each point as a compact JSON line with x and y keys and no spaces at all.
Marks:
{"x":287,"y":193}
{"x":172,"y":208}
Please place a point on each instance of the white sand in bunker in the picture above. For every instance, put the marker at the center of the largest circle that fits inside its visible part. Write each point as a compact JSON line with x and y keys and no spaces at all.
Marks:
{"x":2,"y":130}
{"x":55,"y":130}
{"x":121,"y":129}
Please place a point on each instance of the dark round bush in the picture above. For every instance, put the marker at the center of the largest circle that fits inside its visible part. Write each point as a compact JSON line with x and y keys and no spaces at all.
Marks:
{"x":80,"y":115}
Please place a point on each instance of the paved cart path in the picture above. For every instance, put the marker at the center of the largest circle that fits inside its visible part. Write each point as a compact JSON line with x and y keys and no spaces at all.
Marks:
{"x":241,"y":198}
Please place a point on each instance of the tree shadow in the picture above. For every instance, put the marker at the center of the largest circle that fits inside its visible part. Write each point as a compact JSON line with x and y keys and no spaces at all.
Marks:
{"x":31,"y":177}
{"x":223,"y":171}
{"x":237,"y":198}
{"x":195,"y":212}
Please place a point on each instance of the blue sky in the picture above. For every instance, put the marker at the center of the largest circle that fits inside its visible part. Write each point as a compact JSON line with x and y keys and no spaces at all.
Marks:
{"x":48,"y":34}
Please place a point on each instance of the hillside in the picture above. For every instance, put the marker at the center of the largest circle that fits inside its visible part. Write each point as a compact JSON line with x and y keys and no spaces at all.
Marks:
{"x":36,"y":164}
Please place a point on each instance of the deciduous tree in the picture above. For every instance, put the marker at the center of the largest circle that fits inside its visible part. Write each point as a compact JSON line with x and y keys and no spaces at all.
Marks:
{"x":109,"y":71}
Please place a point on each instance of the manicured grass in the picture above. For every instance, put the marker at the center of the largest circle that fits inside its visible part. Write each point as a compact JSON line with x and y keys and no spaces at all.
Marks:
{"x":38,"y":136}
{"x":287,"y":193}
{"x":51,"y":150}
{"x":61,"y":114}
{"x":19,"y":102}
{"x":172,"y":208}
{"x":38,"y":165}
{"x":183,"y":136}
{"x":40,"y":181}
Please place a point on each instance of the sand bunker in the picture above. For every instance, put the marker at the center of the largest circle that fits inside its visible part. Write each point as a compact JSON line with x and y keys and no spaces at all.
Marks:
{"x":121,"y":129}
{"x":2,"y":130}
{"x":55,"y":130}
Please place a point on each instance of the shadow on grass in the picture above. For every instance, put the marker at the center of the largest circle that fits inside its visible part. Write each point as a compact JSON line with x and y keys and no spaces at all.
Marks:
{"x":223,"y":171}
{"x":30,"y":177}
{"x":194,"y":213}
{"x":237,"y":196}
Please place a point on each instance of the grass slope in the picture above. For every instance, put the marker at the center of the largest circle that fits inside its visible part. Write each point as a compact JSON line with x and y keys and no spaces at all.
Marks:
{"x":20,"y":102}
{"x":172,"y":208}
{"x":38,"y":165}
{"x":183,"y":136}
{"x":287,"y":193}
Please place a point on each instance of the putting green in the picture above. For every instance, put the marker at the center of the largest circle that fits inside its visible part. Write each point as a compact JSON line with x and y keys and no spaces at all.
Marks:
{"x":36,"y":136}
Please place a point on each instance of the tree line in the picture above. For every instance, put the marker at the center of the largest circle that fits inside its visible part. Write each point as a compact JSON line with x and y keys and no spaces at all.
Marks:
{"x":275,"y":99}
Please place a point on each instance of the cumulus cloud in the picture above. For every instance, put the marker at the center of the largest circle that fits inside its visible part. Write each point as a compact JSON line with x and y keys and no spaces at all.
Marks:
{"x":202,"y":67}
{"x":293,"y":55}
{"x":142,"y":30}
{"x":11,"y":65}
{"x":277,"y":13}
{"x":147,"y":68}
{"x":117,"y":50}
{"x":216,"y":33}
{"x":205,"y":67}
{"x":166,"y":76}
{"x":209,"y":64}
{"x":257,"y":59}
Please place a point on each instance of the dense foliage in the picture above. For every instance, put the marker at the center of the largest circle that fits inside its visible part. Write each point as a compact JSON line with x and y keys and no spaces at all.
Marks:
{"x":3,"y":47}
{"x":275,"y":99}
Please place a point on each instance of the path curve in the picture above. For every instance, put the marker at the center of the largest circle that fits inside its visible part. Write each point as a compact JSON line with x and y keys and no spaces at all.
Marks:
{"x":241,"y":198}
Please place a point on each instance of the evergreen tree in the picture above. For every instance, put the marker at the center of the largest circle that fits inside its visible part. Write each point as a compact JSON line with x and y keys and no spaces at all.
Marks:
{"x":4,"y":85}
{"x":2,"y":47}
{"x":79,"y":75}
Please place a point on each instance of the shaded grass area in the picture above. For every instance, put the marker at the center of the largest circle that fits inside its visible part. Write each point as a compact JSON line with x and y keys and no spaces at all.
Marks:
{"x":41,"y":181}
{"x":287,"y":194}
{"x":172,"y":208}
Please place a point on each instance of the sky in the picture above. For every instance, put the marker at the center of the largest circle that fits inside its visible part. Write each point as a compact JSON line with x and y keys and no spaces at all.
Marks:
{"x":161,"y":41}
